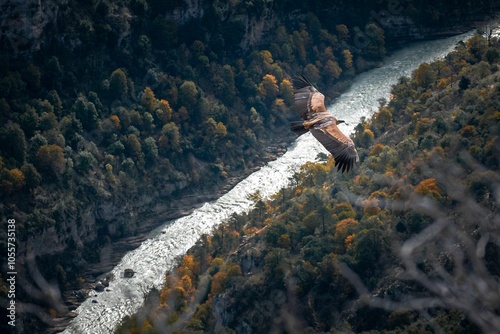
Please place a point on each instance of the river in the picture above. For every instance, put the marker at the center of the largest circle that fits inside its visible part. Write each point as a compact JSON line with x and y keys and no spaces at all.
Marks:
{"x":102,"y":312}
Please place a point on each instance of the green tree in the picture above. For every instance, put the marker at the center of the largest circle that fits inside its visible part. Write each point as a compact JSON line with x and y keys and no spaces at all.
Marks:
{"x":85,"y":161}
{"x":286,"y":92}
{"x":477,"y":46}
{"x":71,"y":128}
{"x":86,"y":113}
{"x":55,"y":101}
{"x":33,"y":178}
{"x":188,"y":95}
{"x":170,"y":138}
{"x":376,"y":46}
{"x":150,"y":150}
{"x":383,"y":119}
{"x":48,"y":121}
{"x":29,"y":120}
{"x":116,"y":148}
{"x":274,"y":265}
{"x":14,"y":143}
{"x":368,"y":247}
{"x":118,"y":86}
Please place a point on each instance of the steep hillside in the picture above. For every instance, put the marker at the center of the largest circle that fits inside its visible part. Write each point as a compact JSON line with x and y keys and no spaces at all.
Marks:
{"x":407,"y":243}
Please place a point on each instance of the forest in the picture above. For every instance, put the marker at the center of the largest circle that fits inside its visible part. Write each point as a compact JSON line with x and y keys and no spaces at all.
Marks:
{"x":407,"y":243}
{"x":120,"y":109}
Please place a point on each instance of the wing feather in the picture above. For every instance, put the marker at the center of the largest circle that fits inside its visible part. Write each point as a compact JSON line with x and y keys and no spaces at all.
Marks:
{"x":339,"y":145}
{"x":308,"y":100}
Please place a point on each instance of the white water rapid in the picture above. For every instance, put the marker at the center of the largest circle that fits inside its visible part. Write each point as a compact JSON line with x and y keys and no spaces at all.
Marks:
{"x":102,"y":312}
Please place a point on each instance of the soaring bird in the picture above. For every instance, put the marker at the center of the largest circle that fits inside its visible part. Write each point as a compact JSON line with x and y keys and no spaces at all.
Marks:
{"x":310,"y":105}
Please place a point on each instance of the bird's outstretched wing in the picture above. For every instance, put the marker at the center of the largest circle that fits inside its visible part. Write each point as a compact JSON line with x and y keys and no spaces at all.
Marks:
{"x":339,"y":145}
{"x":310,"y":105}
{"x":308,"y":100}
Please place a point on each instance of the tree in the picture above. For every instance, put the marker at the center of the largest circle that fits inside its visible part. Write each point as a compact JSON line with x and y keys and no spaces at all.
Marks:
{"x":224,"y":84}
{"x":133,"y":146}
{"x":16,"y":179}
{"x":218,"y":282}
{"x":268,"y":88}
{"x":118,"y":86}
{"x":366,"y":139}
{"x":71,"y":128}
{"x":48,"y":121}
{"x":477,"y":46}
{"x":85,"y":161}
{"x":345,"y":228}
{"x":55,"y":101}
{"x":14,"y":143}
{"x":376,"y":46}
{"x":368,"y":246}
{"x":150,"y":150}
{"x":299,"y":44}
{"x":383,"y":119}
{"x":342,"y":211}
{"x":332,"y":70}
{"x":429,"y":187}
{"x":116,"y":148}
{"x":50,"y":160}
{"x":33,"y":178}
{"x":148,"y":99}
{"x":492,"y":55}
{"x":323,"y":212}
{"x":274,"y":265}
{"x":347,"y":58}
{"x":464,"y":83}
{"x":29,"y":120}
{"x":188,"y":95}
{"x":164,"y":112}
{"x":214,"y":130}
{"x":286,"y":92}
{"x":170,"y":138}
{"x":424,"y":75}
{"x":312,"y":73}
{"x":115,"y":120}
{"x":86,"y":113}
{"x":342,"y":32}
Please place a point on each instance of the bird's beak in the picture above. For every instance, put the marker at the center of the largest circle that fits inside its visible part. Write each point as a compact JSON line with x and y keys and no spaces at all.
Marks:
{"x":341,"y":121}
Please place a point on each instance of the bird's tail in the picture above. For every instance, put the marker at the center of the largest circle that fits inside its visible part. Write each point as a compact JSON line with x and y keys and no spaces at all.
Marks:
{"x":298,"y":128}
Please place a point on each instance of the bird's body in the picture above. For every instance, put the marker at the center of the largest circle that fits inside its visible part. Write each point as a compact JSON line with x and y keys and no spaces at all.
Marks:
{"x":310,"y":105}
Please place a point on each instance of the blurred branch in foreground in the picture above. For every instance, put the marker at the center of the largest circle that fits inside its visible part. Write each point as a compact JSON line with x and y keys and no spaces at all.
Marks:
{"x":455,"y":259}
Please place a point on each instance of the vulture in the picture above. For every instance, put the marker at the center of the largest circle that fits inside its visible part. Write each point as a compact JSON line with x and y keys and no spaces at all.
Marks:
{"x":310,"y":105}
